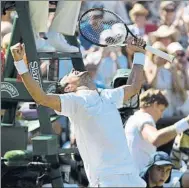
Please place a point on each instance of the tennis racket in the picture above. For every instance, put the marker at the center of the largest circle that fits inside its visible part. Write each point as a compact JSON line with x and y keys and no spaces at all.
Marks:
{"x":105,"y":28}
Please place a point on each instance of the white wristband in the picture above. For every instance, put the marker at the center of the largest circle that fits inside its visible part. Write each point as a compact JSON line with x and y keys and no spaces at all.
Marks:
{"x":181,"y":126}
{"x":139,"y":58}
{"x":21,"y":67}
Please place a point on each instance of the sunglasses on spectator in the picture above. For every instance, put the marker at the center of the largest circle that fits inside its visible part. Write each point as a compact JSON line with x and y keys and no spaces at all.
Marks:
{"x":181,"y":54}
{"x":169,"y":9}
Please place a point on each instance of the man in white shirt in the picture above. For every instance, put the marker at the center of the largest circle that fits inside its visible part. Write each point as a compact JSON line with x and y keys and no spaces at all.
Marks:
{"x":142,"y":136}
{"x":96,"y":120}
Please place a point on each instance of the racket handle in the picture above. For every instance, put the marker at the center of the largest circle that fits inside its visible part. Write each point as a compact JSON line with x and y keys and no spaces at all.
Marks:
{"x":160,"y":53}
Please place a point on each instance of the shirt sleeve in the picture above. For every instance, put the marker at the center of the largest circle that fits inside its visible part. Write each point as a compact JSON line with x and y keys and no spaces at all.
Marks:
{"x":115,"y":96}
{"x":69,"y":104}
{"x":145,"y":119}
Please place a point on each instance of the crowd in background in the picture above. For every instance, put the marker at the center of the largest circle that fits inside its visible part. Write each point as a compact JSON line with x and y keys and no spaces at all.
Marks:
{"x":163,"y":24}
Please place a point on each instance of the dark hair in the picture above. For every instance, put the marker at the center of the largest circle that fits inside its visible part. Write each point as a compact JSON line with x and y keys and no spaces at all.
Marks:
{"x":151,"y":96}
{"x":60,"y":88}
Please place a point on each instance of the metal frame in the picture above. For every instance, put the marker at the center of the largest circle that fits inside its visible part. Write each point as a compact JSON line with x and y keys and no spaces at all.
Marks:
{"x":23,"y":32}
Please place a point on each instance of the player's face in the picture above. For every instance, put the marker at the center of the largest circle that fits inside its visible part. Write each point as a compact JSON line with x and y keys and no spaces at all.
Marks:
{"x":72,"y":80}
{"x":158,"y":110}
{"x":158,"y":175}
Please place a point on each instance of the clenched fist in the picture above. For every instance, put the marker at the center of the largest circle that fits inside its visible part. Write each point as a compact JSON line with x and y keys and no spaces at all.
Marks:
{"x":135,"y":44}
{"x":18,"y":51}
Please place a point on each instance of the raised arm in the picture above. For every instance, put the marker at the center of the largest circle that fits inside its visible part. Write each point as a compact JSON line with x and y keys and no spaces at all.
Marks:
{"x":39,"y":96}
{"x":136,"y":77}
{"x":163,"y":136}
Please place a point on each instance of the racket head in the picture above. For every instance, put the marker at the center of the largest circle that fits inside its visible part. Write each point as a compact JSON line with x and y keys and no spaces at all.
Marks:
{"x":103,"y":28}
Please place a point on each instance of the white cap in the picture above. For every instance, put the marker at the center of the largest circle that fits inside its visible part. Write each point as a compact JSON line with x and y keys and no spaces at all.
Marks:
{"x":173,"y":47}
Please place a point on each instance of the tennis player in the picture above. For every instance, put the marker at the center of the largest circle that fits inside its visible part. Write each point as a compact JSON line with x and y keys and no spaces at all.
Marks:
{"x":98,"y":126}
{"x":143,"y":138}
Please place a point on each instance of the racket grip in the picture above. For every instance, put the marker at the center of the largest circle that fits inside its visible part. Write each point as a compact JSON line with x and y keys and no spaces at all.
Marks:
{"x":160,"y":53}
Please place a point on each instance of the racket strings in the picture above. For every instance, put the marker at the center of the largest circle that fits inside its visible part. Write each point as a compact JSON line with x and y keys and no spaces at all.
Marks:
{"x":102,"y":27}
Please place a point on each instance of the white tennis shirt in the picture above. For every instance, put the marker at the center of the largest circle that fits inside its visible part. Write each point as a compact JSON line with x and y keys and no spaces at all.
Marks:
{"x":99,"y":131}
{"x":140,"y":149}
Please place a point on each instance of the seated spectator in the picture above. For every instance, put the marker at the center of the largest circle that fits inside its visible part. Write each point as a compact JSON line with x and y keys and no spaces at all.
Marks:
{"x":107,"y":67}
{"x":92,"y":62}
{"x":165,"y":35}
{"x":95,"y":20}
{"x":167,"y":12}
{"x":153,"y":7}
{"x":172,"y":15}
{"x":119,"y":58}
{"x":178,"y":51}
{"x":143,"y":138}
{"x":158,"y":170}
{"x":181,"y":79}
{"x":138,"y":16}
{"x":128,"y":55}
{"x":167,"y":77}
{"x":115,"y":6}
{"x":160,"y":77}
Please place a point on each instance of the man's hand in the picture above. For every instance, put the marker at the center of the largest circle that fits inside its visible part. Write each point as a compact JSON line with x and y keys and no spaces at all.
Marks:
{"x":18,"y":51}
{"x":135,"y":45}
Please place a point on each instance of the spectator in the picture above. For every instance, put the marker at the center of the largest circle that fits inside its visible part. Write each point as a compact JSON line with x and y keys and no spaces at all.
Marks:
{"x":107,"y":67}
{"x":95,"y":21}
{"x":181,"y":97}
{"x":119,"y":58}
{"x":160,"y":77}
{"x":165,"y":35}
{"x":115,"y":6}
{"x":142,"y":136}
{"x":138,"y":16}
{"x":178,"y":51}
{"x":118,"y":8}
{"x":92,"y":62}
{"x":158,"y":170}
{"x":167,"y":12}
{"x":153,"y":7}
{"x":172,"y":15}
{"x":129,"y":56}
